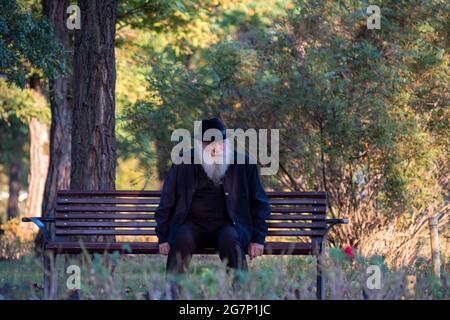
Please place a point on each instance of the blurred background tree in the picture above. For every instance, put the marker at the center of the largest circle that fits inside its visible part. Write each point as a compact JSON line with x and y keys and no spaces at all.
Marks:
{"x":14,"y":105}
{"x":363,"y":114}
{"x":28,"y":54}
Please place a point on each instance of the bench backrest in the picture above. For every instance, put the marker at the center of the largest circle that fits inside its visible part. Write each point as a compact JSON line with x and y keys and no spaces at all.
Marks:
{"x":131,"y":213}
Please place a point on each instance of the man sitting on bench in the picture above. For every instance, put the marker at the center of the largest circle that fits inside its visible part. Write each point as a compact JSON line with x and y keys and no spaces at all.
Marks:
{"x":218,"y":203}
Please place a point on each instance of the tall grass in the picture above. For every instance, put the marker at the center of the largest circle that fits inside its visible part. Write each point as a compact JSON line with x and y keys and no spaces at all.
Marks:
{"x":116,"y":276}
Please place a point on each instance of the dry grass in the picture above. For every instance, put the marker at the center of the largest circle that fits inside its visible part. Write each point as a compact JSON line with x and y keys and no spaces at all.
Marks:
{"x":270,"y":277}
{"x":17,"y":239}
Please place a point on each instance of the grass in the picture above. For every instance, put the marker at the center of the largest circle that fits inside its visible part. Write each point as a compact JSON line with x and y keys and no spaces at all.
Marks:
{"x":270,"y":277}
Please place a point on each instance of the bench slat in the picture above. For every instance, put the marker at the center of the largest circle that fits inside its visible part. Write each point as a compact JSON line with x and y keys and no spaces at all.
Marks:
{"x":122,"y":224}
{"x":298,"y":201}
{"x":68,"y":200}
{"x":142,"y":232}
{"x":297,"y":194}
{"x":140,"y":208}
{"x":296,"y":233}
{"x":299,"y":209}
{"x":123,"y":216}
{"x":297,"y":225}
{"x":87,"y":232}
{"x":157,"y":193}
{"x":296,"y":209}
{"x":109,"y":193}
{"x":127,"y":224}
{"x":105,"y":208}
{"x":152,"y":247}
{"x":296,"y":217}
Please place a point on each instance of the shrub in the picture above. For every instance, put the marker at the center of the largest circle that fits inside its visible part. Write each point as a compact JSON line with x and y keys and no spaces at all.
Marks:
{"x":17,"y":239}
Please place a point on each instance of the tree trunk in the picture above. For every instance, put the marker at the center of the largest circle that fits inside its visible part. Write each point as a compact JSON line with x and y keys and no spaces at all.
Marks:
{"x":93,"y":120}
{"x":93,"y":132}
{"x":15,"y":171}
{"x":39,"y":153}
{"x":60,"y":97}
{"x":435,"y":247}
{"x":58,"y":177}
{"x":39,"y":158}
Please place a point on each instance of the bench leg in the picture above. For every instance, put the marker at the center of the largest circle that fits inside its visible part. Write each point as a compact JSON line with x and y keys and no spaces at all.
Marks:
{"x":319,"y":252}
{"x":320,"y":284}
{"x":50,"y":275}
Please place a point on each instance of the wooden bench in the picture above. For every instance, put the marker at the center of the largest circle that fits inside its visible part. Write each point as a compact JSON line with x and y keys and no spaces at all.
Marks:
{"x":297,"y":226}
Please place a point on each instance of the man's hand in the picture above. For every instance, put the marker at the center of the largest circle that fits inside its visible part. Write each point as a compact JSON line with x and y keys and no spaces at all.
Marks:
{"x":164,"y":248}
{"x":255,"y":250}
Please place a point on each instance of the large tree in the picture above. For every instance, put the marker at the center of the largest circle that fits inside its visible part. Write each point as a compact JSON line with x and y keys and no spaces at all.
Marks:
{"x":60,"y":88}
{"x":93,"y":124}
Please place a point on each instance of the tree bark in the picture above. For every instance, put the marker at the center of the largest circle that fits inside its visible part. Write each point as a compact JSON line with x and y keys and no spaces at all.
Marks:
{"x":435,"y":247}
{"x":60,"y":94}
{"x":93,"y":119}
{"x":39,"y":159}
{"x":93,"y":133}
{"x":15,"y":171}
{"x":39,"y":152}
{"x":61,"y":110}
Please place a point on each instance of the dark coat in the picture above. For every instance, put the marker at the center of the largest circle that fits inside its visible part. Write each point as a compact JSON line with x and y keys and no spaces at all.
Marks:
{"x":246,"y":200}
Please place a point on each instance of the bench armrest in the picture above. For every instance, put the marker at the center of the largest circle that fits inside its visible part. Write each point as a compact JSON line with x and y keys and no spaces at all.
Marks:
{"x":334,"y":221}
{"x":40,"y":222}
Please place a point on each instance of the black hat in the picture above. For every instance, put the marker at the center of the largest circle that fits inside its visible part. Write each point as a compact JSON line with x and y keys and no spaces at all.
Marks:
{"x":213,"y":123}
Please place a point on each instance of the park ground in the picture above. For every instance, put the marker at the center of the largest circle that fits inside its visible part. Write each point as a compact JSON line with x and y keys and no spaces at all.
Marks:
{"x":270,"y":277}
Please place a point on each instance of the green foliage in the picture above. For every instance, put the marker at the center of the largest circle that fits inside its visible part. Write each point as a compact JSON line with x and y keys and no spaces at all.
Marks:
{"x":16,"y":107}
{"x":363,"y":114}
{"x":19,"y":103}
{"x":26,"y":43}
{"x":158,"y":15}
{"x":179,"y":28}
{"x":175,"y":37}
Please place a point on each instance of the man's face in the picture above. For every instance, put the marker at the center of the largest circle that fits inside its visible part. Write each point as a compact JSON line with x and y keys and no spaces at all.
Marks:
{"x":214,"y":150}
{"x":214,"y":160}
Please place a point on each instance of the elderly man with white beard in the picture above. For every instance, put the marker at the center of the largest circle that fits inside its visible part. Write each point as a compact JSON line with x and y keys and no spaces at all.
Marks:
{"x":218,"y":203}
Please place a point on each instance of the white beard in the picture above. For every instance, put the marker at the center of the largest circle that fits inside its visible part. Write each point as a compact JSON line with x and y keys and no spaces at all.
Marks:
{"x":216,"y":167}
{"x":215,"y":171}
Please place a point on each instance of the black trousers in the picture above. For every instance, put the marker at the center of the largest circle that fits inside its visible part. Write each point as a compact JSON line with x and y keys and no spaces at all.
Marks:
{"x":195,"y":234}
